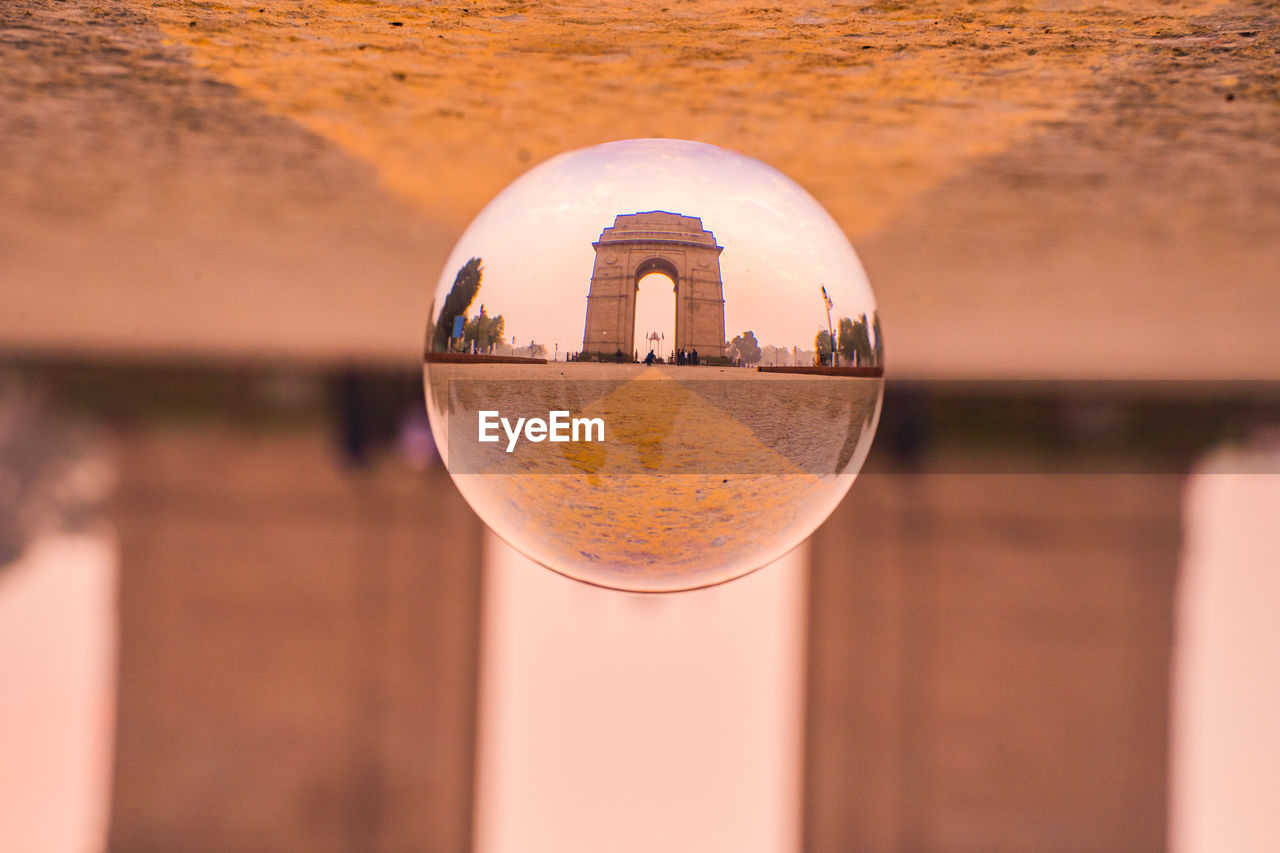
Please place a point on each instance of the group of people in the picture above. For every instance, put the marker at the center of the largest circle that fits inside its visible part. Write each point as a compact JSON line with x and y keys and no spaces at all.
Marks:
{"x":678,"y":357}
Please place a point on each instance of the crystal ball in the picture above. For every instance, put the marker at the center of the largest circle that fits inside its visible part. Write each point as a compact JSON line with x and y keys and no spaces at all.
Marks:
{"x":653,"y":365}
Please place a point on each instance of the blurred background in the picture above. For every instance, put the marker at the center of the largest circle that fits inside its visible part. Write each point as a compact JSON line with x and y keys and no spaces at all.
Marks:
{"x":242,"y":607}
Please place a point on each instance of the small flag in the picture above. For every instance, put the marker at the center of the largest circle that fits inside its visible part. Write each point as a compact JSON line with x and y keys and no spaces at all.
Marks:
{"x":830,"y":304}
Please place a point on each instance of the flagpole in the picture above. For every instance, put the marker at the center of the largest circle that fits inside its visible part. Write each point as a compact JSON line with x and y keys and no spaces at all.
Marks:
{"x":830,"y":331}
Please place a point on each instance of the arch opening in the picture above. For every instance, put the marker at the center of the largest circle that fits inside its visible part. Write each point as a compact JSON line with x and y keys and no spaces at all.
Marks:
{"x":655,"y":313}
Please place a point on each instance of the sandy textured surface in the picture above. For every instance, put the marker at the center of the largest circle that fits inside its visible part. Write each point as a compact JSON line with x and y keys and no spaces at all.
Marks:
{"x":686,"y":461}
{"x":1036,"y":189}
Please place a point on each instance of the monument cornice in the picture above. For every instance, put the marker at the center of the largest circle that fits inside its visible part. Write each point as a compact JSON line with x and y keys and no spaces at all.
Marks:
{"x":638,"y":239}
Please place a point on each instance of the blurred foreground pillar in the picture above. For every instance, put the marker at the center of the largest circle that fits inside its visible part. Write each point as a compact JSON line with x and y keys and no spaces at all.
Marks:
{"x":297,"y":647}
{"x":57,"y":694}
{"x":627,"y":722}
{"x":989,"y":663}
{"x":1226,"y":695}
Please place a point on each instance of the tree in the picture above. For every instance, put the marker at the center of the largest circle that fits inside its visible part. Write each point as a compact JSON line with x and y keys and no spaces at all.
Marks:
{"x":747,"y":347}
{"x":845,"y":340}
{"x":483,"y":321}
{"x":470,"y":334}
{"x":879,"y":344}
{"x":477,"y":333}
{"x":497,"y":331}
{"x":466,"y":284}
{"x":822,"y":345}
{"x":537,"y":351}
{"x":862,"y":340}
{"x":854,"y":341}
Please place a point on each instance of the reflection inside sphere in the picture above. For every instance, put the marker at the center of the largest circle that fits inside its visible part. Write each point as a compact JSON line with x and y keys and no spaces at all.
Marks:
{"x":653,"y":365}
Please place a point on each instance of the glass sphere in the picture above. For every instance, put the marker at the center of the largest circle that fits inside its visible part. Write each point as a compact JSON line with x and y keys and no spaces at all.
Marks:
{"x":630,"y":370}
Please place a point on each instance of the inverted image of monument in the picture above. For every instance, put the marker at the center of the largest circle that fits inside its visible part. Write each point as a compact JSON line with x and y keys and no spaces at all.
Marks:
{"x":636,"y":245}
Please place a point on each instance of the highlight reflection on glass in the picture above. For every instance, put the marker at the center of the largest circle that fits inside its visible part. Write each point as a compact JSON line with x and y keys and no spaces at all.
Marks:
{"x":696,"y":307}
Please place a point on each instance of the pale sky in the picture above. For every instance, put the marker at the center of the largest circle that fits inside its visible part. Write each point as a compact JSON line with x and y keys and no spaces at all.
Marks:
{"x":779,"y":244}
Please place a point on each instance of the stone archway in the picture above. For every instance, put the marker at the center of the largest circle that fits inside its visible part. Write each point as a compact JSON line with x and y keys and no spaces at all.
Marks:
{"x":655,"y":241}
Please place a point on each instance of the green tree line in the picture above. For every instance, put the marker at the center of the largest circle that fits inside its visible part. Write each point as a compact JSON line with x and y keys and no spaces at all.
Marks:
{"x":854,"y":342}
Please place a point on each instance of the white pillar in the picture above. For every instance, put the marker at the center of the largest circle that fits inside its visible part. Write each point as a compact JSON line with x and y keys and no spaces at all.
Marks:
{"x":624,"y":722}
{"x":58,"y":629}
{"x":1225,"y":749}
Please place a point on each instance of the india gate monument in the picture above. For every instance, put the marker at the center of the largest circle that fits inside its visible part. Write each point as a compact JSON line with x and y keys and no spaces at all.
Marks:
{"x":655,"y":241}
